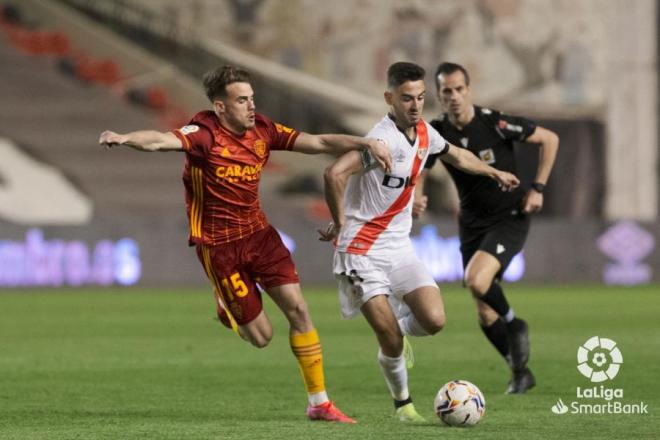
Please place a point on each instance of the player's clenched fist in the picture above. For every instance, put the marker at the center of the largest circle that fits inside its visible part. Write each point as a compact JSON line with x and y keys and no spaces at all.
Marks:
{"x":419,"y":206}
{"x":111,"y":139}
{"x":506,"y":181}
{"x":329,"y":233}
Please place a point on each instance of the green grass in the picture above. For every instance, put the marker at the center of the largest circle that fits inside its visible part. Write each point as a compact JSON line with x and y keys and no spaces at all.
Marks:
{"x":121,"y":364}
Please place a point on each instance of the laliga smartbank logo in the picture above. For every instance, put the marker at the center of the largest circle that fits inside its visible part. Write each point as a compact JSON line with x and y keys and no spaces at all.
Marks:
{"x":599,"y":360}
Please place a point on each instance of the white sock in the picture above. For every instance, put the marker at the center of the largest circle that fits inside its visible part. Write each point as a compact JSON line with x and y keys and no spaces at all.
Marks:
{"x":319,"y":398}
{"x":411,"y":327}
{"x":396,"y":375}
{"x":509,"y":315}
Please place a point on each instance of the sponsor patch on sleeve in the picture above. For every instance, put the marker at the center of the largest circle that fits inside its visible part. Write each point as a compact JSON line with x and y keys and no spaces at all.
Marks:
{"x":504,"y":125}
{"x":189,"y":129}
{"x":283,"y":129}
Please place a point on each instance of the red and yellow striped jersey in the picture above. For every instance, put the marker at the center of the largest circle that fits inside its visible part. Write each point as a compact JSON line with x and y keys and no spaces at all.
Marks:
{"x":222,"y":173}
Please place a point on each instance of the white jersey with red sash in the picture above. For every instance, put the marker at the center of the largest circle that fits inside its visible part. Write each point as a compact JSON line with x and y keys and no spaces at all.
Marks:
{"x":378,"y":205}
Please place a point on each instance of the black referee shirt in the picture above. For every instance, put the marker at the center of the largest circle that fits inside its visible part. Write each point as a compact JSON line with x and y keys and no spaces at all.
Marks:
{"x":490,"y":135}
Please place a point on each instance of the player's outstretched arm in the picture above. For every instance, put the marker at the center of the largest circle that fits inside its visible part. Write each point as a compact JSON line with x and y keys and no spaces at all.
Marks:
{"x":143,"y":140}
{"x":549,"y":145}
{"x":338,"y":144}
{"x":468,"y":162}
{"x":335,"y":178}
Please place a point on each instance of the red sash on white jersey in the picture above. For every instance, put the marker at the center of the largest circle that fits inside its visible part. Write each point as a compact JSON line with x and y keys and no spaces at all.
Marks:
{"x":370,"y":231}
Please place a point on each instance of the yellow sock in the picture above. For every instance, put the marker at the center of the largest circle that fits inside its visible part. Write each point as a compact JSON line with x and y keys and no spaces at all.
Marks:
{"x":306,"y":348}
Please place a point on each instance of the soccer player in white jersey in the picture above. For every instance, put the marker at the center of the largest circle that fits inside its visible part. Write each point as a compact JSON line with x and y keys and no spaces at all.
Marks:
{"x":378,"y":271}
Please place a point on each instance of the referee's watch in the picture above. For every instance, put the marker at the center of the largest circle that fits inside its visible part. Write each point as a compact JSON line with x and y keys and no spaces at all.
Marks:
{"x":538,"y":187}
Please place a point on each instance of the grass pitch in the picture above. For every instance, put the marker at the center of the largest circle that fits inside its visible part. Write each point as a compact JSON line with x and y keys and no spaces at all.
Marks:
{"x":130,"y":363}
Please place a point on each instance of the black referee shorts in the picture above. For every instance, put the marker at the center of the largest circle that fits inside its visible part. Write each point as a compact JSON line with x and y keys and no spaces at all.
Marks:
{"x":503,"y":239}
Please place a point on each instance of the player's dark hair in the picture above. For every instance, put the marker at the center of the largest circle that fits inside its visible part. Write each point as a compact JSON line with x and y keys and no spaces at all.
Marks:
{"x":400,"y":72}
{"x":448,"y":69}
{"x":216,"y":81}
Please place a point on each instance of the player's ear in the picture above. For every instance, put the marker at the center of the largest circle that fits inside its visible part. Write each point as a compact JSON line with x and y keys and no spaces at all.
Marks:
{"x":388,"y":97}
{"x":218,"y":107}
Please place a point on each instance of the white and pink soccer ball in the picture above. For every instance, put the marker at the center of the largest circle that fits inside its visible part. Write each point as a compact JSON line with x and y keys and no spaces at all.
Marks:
{"x":460,"y":403}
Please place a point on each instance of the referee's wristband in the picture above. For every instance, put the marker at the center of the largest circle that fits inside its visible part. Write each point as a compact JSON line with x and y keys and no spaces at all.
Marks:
{"x":538,"y":187}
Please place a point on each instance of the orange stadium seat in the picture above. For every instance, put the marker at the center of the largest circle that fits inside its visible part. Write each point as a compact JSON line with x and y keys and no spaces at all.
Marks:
{"x":157,"y":98}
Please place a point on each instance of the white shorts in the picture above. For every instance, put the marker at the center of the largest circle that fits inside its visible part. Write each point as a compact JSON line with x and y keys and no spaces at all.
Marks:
{"x":361,"y":277}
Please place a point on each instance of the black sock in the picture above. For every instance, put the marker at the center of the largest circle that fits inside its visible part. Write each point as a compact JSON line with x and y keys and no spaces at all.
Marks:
{"x":497,"y":335}
{"x":400,"y":403}
{"x":494,"y":297}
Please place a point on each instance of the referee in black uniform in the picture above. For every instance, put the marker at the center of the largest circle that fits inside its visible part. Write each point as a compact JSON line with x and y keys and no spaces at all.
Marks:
{"x":493,"y":224}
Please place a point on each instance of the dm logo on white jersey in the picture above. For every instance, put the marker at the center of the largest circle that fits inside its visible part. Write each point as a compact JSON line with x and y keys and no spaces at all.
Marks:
{"x":395,"y":182}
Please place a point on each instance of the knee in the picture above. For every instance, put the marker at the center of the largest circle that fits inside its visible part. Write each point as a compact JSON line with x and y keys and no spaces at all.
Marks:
{"x":477,"y":283}
{"x":435,"y":322}
{"x":259,"y":336}
{"x":260,"y":340}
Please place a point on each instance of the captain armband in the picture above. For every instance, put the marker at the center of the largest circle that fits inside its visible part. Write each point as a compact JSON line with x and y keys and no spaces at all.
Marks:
{"x":367,"y":159}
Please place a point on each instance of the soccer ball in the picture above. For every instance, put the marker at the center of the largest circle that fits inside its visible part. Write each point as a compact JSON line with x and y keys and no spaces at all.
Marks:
{"x":460,"y":403}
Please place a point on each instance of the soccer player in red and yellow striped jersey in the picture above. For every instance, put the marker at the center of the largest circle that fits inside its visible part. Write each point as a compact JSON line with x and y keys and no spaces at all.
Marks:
{"x":226,"y":150}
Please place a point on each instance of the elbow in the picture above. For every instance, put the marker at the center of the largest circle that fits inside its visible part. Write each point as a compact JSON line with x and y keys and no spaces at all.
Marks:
{"x":555,"y":140}
{"x":331,"y":174}
{"x":335,"y":175}
{"x":150,"y":148}
{"x":552,"y":139}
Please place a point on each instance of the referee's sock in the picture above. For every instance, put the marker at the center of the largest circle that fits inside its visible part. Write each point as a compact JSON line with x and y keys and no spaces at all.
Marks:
{"x":498,"y":336}
{"x":494,"y":297}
